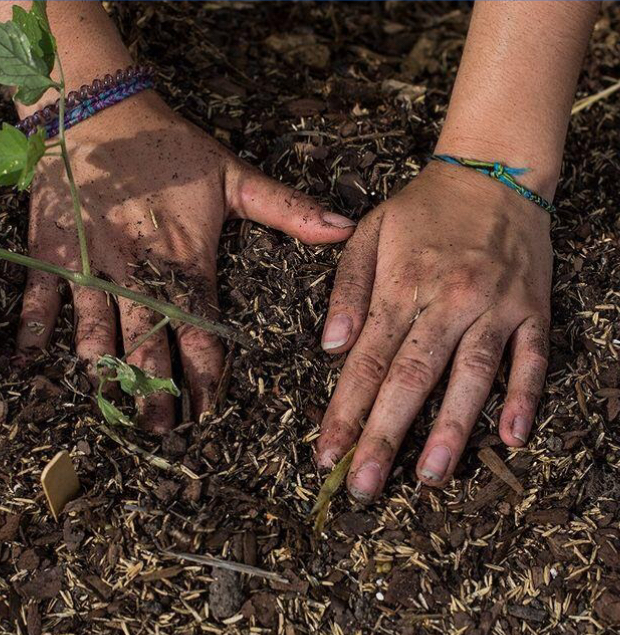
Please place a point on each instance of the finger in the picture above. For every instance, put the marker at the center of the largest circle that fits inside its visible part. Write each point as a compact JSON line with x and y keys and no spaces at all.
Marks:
{"x":155,"y":413}
{"x":414,"y":372}
{"x":202,"y":354}
{"x":40,"y":309}
{"x":530,"y":349}
{"x":361,"y":377}
{"x":95,"y":328}
{"x":473,"y":371}
{"x":348,"y":304}
{"x":264,"y":200}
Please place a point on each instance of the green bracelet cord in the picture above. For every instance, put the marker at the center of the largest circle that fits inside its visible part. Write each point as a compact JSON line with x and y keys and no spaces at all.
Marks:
{"x":501,"y":173}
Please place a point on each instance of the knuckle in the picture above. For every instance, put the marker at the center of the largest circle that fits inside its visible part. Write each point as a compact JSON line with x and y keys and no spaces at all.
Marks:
{"x":366,"y":369}
{"x":538,"y":362}
{"x":193,"y":337}
{"x":349,"y":289}
{"x":383,"y":446}
{"x":412,"y":374}
{"x":455,"y":429}
{"x":462,"y":281}
{"x":528,"y":398}
{"x":94,"y":331}
{"x":481,"y":364}
{"x":406,"y":272}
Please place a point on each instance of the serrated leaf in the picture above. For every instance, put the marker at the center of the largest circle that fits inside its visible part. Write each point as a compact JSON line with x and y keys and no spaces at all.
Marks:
{"x":36,"y":29}
{"x":34,"y":152}
{"x":13,"y":154}
{"x":20,"y":65}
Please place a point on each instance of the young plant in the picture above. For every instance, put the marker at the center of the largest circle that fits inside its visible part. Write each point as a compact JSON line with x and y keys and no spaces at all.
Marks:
{"x":28,"y":55}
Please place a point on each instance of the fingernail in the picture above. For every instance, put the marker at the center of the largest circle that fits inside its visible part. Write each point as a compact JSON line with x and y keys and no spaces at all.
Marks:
{"x":436,"y":463}
{"x":365,"y":483}
{"x":337,"y":331}
{"x":336,"y":220}
{"x":520,"y":429}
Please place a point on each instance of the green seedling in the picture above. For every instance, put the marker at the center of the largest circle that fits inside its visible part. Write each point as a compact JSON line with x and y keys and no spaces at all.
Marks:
{"x":330,"y":486}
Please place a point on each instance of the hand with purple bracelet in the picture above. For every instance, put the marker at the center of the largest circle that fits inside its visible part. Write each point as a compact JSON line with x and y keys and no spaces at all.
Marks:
{"x":156,"y":191}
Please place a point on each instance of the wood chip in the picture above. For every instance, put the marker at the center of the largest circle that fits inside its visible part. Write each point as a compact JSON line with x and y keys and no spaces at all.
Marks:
{"x":490,"y":458}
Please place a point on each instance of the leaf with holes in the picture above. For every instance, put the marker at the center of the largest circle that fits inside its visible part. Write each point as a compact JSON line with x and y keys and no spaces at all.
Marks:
{"x":110,"y":412}
{"x":133,"y":380}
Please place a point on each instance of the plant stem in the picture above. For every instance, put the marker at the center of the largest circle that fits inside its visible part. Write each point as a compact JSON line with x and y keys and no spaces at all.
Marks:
{"x":164,"y":308}
{"x":160,"y":325}
{"x":75,"y":198}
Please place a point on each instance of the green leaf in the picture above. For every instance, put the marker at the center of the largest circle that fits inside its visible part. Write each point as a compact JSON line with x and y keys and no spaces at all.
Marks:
{"x":13,"y":154}
{"x":34,"y":152}
{"x":19,"y":155}
{"x":133,"y":380}
{"x":20,"y":65}
{"x":110,"y":412}
{"x":39,"y":9}
{"x":35,"y":26}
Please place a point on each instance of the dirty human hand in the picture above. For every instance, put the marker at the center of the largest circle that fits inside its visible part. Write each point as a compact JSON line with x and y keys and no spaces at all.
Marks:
{"x":457,"y":267}
{"x":155,"y":191}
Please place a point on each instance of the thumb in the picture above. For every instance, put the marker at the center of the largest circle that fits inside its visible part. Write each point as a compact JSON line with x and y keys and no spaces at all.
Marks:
{"x":259,"y":198}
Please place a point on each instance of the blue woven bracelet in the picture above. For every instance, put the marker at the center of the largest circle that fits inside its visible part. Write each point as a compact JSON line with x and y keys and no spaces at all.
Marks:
{"x":89,"y":100}
{"x":501,"y":173}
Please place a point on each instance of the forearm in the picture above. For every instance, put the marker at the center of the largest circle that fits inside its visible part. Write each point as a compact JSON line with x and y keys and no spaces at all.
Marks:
{"x":515,"y":86}
{"x":89,"y":44}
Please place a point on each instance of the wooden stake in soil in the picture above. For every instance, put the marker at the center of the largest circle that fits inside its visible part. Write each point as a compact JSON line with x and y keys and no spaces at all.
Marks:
{"x":60,"y":482}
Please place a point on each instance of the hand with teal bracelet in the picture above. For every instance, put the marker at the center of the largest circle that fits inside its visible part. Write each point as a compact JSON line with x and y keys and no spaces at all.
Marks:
{"x":457,"y":266}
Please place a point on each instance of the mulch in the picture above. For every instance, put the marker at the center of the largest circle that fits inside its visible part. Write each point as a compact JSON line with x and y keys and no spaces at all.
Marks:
{"x":342,"y":100}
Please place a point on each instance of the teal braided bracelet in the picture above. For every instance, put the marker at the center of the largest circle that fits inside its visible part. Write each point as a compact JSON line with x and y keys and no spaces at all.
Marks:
{"x":501,"y":173}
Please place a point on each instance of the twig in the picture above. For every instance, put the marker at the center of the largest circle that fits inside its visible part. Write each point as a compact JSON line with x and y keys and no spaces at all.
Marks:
{"x":580,"y":104}
{"x":362,"y":137}
{"x":226,"y":564}
{"x":153,"y":459}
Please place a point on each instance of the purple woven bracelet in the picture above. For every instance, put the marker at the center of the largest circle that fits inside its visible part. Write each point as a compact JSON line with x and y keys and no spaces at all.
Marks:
{"x":89,"y":100}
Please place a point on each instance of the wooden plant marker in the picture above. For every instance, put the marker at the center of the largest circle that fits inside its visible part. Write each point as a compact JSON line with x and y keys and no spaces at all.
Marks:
{"x":60,"y":482}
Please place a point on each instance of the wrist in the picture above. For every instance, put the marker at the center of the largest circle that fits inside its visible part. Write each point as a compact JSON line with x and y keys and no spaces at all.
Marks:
{"x":543,"y":167}
{"x":466,"y":185}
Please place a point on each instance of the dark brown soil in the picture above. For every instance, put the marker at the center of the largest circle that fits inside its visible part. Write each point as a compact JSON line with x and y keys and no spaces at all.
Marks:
{"x":299,"y":89}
